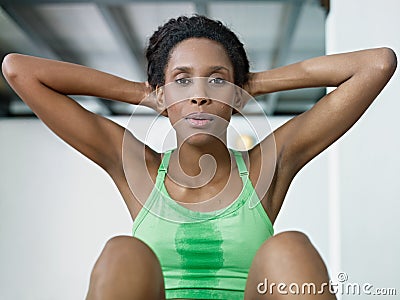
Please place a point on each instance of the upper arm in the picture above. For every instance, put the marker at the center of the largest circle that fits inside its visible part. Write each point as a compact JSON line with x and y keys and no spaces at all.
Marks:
{"x":96,"y":137}
{"x":305,"y":136}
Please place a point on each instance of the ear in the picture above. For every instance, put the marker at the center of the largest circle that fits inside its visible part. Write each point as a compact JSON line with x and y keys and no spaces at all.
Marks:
{"x":239,"y":99}
{"x":160,"y":101}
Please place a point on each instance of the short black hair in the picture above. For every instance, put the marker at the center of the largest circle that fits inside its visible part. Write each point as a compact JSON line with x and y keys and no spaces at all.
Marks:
{"x":174,"y":31}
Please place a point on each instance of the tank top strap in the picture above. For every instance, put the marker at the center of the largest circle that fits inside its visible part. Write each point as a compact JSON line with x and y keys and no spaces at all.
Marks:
{"x":163,"y":168}
{"x":165,"y":162}
{"x":243,"y":172}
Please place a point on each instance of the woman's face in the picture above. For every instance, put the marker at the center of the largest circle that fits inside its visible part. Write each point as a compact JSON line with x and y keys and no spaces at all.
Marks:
{"x":199,"y":93}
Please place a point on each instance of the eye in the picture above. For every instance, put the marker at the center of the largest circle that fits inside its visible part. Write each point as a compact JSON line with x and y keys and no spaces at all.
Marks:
{"x":183,"y":81}
{"x":217,"y":81}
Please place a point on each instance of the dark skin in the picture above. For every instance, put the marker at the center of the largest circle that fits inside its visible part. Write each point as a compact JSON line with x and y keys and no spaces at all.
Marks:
{"x":182,"y":65}
{"x":359,"y":78}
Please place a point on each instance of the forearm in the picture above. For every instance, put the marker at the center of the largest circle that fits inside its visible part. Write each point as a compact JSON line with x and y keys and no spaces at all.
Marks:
{"x":70,"y":79}
{"x":324,"y":71}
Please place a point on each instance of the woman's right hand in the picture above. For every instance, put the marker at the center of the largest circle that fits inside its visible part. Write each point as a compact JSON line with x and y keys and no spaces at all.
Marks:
{"x":149,"y":99}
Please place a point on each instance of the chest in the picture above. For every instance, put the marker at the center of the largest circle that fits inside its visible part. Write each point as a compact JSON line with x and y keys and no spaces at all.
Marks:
{"x":229,"y":241}
{"x":210,"y":197}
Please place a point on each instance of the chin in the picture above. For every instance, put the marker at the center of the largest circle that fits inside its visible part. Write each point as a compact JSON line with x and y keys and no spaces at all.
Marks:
{"x":198,"y":139}
{"x":201,"y":139}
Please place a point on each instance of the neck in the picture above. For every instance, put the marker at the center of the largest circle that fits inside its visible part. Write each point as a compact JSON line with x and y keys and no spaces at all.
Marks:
{"x":194,"y":166}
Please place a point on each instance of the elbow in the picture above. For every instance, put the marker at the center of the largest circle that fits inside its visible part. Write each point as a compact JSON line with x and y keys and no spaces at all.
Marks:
{"x":386,"y":61}
{"x":10,"y":66}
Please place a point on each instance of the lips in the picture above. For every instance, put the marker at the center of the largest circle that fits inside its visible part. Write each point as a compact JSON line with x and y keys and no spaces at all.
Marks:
{"x":199,"y":119}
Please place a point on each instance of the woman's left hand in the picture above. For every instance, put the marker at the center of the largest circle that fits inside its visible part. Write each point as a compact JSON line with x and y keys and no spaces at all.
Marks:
{"x":250,"y":86}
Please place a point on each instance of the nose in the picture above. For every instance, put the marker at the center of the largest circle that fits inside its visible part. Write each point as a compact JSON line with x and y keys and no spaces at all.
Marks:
{"x":200,"y":91}
{"x":200,"y":101}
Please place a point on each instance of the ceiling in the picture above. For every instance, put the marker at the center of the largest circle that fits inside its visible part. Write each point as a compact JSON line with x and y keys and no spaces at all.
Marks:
{"x":111,"y":35}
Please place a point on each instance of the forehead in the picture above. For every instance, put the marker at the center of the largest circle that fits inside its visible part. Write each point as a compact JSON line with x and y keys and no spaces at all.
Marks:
{"x":196,"y":52}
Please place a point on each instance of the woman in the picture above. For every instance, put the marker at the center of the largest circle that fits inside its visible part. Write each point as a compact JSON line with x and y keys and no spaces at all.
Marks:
{"x":223,"y":255}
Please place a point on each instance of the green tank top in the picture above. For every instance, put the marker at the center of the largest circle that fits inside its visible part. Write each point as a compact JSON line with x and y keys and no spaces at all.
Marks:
{"x":203,"y":255}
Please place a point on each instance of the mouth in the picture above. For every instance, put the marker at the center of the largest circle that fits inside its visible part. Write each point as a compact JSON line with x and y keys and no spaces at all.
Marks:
{"x":199,"y":119}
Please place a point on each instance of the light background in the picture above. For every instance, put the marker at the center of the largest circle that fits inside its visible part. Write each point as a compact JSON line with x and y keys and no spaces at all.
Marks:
{"x":57,"y":209}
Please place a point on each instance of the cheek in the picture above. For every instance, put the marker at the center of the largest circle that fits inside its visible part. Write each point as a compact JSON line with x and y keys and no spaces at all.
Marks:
{"x":225,"y":111}
{"x":174,"y":113}
{"x":174,"y":94}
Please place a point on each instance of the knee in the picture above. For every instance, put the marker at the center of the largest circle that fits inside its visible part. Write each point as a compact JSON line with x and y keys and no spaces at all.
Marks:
{"x":286,"y":247}
{"x":288,"y":257}
{"x":294,"y":238}
{"x":125,"y":266}
{"x":126,"y":246}
{"x":126,"y":252}
{"x":287,"y":239}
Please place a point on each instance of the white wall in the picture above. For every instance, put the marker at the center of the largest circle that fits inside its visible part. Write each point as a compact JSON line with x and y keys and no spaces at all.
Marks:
{"x":369,"y":164}
{"x":56,"y":211}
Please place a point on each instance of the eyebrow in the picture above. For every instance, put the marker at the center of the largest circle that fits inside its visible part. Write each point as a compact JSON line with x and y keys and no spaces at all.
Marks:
{"x":187,"y":69}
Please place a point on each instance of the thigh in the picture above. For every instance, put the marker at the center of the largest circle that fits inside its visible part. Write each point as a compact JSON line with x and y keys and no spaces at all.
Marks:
{"x":287,"y":266}
{"x":126,"y":269}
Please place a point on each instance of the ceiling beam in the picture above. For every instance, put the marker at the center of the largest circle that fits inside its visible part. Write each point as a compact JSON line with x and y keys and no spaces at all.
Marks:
{"x":31,"y":30}
{"x":36,"y":37}
{"x":5,"y":96}
{"x":118,"y":2}
{"x":289,"y":20}
{"x":326,"y":4}
{"x":127,"y":40}
{"x":201,"y":7}
{"x":40,"y":34}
